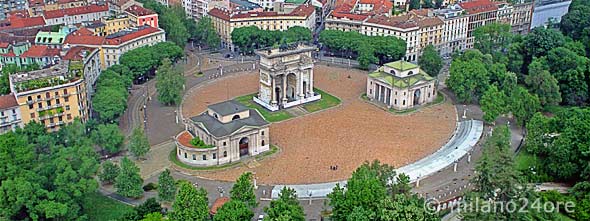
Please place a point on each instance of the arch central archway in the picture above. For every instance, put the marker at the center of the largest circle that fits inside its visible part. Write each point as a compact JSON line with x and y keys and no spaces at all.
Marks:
{"x":244,"y":142}
{"x":417,"y":94}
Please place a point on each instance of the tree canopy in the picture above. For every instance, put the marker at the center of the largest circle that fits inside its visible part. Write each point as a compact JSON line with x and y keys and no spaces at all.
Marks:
{"x":250,"y":38}
{"x":233,"y":210}
{"x":430,"y":61}
{"x":170,"y":83}
{"x":366,"y":49}
{"x":190,"y":203}
{"x":243,"y":190}
{"x":286,"y":207}
{"x":129,"y":181}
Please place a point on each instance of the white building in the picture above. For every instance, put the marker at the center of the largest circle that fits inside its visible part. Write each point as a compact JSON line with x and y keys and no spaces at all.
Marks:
{"x":10,"y":116}
{"x":76,"y":15}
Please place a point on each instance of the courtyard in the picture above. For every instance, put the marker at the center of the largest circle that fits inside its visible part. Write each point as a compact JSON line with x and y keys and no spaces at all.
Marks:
{"x":344,"y":136}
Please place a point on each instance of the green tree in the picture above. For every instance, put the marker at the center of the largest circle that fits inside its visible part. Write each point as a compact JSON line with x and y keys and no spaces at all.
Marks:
{"x":405,"y":207}
{"x":129,"y":182}
{"x":286,"y":207}
{"x":109,"y":172}
{"x":243,"y":190}
{"x":524,"y":105}
{"x":468,"y":80}
{"x":205,"y":33}
{"x":153,"y":217}
{"x":40,"y":183}
{"x":576,"y":20}
{"x":139,"y":145}
{"x":493,"y":38}
{"x":190,"y":203}
{"x":166,"y":186}
{"x":233,"y":210}
{"x":174,"y":25}
{"x":169,"y":83}
{"x":541,"y":40}
{"x":493,"y":103}
{"x":542,"y":83}
{"x":414,"y":4}
{"x":109,"y":102}
{"x":430,"y":61}
{"x":109,"y":137}
{"x":571,"y":71}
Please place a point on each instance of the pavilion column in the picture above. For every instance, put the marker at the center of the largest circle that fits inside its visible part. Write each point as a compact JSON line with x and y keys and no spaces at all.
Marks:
{"x":310,"y":83}
{"x":300,"y":89}
{"x":273,"y":96}
{"x":284,"y":90}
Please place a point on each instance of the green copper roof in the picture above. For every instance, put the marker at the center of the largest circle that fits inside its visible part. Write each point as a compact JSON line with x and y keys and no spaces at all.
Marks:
{"x":401,"y":65}
{"x":401,"y":82}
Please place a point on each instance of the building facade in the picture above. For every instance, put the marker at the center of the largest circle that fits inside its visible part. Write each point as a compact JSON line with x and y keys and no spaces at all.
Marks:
{"x":54,"y":96}
{"x":454,"y":37}
{"x":8,"y":6}
{"x":76,"y":15}
{"x":228,"y":132}
{"x":401,"y":85}
{"x":140,"y":16}
{"x":23,"y":54}
{"x":225,"y":21}
{"x":403,"y":27}
{"x":116,"y":23}
{"x":286,"y":77}
{"x":480,"y":13}
{"x":521,"y":18}
{"x":10,"y":117}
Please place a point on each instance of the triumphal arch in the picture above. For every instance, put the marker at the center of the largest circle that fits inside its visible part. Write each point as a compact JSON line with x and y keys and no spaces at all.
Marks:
{"x":286,"y":76}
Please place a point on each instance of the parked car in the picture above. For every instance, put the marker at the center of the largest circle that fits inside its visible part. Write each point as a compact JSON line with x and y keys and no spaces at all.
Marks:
{"x":260,"y":217}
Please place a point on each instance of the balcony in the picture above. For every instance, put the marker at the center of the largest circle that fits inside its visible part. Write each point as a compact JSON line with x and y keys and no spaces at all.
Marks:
{"x":44,"y":117}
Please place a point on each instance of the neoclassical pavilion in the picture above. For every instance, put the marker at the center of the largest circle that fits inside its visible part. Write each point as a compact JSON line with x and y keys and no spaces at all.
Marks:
{"x":286,"y":77}
{"x":229,"y":130}
{"x":401,"y":85}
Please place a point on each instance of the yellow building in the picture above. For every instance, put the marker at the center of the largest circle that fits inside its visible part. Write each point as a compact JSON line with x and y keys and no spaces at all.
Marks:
{"x":225,"y":21}
{"x":115,"y":24}
{"x":54,"y":96}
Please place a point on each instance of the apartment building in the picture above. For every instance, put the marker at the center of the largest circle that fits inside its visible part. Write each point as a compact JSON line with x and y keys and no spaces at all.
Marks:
{"x":10,"y":117}
{"x":53,"y":39}
{"x":76,"y":15}
{"x":115,"y":23}
{"x":53,"y":96}
{"x":140,"y":16}
{"x":114,"y":45}
{"x":431,"y":28}
{"x":403,"y":27}
{"x":522,"y":16}
{"x":89,"y":58}
{"x":225,"y":21}
{"x":8,"y":6}
{"x":480,"y":13}
{"x":454,"y":37}
{"x":23,"y":54}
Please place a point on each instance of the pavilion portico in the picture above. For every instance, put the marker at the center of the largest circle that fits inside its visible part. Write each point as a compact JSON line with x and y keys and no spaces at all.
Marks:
{"x":286,"y":77}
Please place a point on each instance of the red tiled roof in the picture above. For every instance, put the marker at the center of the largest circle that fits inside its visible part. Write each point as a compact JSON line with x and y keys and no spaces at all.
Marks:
{"x":80,"y":37}
{"x":302,"y":10}
{"x":77,"y":53}
{"x":75,"y":11}
{"x":37,"y":51}
{"x":66,"y":1}
{"x":146,"y":30}
{"x":218,"y":204}
{"x":19,"y":14}
{"x":478,"y":6}
{"x":85,"y":31}
{"x":16,"y":22}
{"x":139,"y":11}
{"x":9,"y":54}
{"x":4,"y":44}
{"x":356,"y":17}
{"x":402,"y":21}
{"x":8,"y":101}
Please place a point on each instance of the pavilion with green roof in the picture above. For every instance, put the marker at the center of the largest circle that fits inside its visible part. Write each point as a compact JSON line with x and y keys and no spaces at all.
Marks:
{"x":401,"y":85}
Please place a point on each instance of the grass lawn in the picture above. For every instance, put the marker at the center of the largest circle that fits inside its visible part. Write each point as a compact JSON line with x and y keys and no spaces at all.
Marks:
{"x":327,"y":101}
{"x":524,"y":161}
{"x":275,"y":116}
{"x":102,"y":208}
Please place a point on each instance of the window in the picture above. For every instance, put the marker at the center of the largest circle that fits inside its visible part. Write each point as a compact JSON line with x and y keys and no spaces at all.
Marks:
{"x":194,"y":157}
{"x":69,"y":116}
{"x":40,"y":105}
{"x":67,"y":107}
{"x":214,"y":156}
{"x":204,"y":157}
{"x":32,"y":115}
{"x":224,"y":143}
{"x":262,"y":133}
{"x":262,"y":142}
{"x":224,"y":153}
{"x":185,"y":155}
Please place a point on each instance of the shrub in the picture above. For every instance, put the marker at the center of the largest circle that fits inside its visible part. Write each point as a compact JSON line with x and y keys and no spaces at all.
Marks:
{"x":150,"y":187}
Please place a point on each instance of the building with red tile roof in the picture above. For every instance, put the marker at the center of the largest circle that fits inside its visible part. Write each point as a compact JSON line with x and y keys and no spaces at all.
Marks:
{"x":18,"y":23}
{"x":76,"y":15}
{"x":23,"y":53}
{"x":141,"y":16}
{"x":225,"y":21}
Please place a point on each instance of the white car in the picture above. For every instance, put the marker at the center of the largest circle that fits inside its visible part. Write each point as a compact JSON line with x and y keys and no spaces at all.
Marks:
{"x":260,"y":217}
